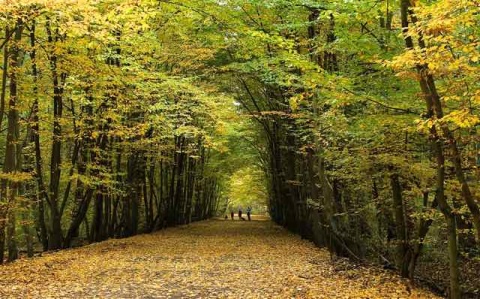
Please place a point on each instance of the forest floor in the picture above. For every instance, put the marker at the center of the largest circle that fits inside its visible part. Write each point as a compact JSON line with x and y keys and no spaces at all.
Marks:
{"x":209,"y":259}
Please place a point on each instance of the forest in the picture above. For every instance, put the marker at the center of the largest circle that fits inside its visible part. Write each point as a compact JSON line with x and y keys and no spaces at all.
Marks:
{"x":354,"y":123}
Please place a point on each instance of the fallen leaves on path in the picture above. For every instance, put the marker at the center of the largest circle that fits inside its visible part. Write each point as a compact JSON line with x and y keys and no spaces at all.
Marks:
{"x":210,"y":259}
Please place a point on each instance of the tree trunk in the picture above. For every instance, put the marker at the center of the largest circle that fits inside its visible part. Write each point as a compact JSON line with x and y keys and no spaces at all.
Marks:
{"x":43,"y":195}
{"x":3,"y":93}
{"x":11,"y":164}
{"x":434,"y":110}
{"x":56,"y":234}
{"x":432,"y":97}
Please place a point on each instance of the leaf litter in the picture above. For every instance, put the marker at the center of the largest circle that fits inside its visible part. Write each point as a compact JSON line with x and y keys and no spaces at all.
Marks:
{"x":209,"y":259}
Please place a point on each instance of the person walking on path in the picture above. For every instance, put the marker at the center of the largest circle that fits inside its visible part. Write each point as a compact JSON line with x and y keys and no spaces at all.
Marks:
{"x":232,"y":214}
{"x":240,"y":212}
{"x":249,"y":212}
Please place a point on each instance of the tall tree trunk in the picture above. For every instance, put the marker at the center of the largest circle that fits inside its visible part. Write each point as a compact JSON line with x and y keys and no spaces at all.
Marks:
{"x":43,"y":195}
{"x":11,"y":164}
{"x":434,"y":110}
{"x":56,"y":234}
{"x":3,"y":93}
{"x":450,"y":219}
{"x":431,"y":95}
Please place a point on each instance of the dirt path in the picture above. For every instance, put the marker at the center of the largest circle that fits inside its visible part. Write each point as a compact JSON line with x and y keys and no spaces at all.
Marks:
{"x":211,"y":259}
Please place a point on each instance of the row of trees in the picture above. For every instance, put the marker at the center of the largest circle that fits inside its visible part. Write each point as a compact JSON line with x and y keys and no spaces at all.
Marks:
{"x":103,"y":135}
{"x":368,"y":114}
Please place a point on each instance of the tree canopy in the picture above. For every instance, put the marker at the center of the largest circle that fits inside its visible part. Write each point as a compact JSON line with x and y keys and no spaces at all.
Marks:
{"x":355,"y":122}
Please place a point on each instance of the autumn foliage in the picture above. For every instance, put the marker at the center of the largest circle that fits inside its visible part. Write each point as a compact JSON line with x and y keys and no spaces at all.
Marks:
{"x":354,"y":123}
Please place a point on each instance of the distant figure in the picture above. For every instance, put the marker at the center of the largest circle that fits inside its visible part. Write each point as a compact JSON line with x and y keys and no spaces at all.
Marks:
{"x":249,"y":212}
{"x":240,"y":212}
{"x":226,"y":217}
{"x":232,"y":214}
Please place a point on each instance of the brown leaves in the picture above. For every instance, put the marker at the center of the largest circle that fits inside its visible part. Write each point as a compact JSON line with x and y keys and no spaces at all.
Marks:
{"x":211,"y":259}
